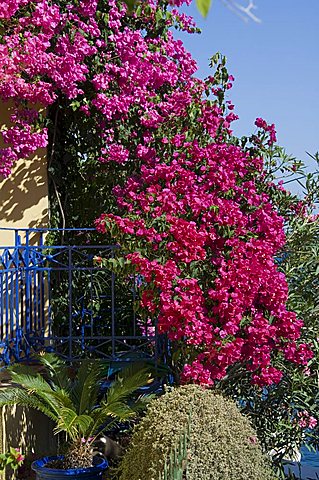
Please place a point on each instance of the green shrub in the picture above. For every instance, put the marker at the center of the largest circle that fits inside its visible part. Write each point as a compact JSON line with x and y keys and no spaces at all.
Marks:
{"x":221,"y":446}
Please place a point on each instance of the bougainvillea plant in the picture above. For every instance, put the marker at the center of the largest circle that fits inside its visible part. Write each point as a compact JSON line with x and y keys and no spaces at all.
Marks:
{"x":203,"y":237}
{"x":193,"y":218}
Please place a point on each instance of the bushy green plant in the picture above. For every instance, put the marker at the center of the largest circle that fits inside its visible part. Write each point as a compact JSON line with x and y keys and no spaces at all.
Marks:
{"x":71,"y":399}
{"x":222,"y":445}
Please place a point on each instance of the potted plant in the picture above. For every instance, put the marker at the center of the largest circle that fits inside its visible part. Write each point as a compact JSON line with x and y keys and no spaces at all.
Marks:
{"x":72,"y":399}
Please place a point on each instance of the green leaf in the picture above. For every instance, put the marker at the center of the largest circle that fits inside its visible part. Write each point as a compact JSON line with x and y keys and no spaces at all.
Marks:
{"x":86,"y":389}
{"x":57,"y":369}
{"x":127,"y":382}
{"x":17,"y":396}
{"x":31,"y":383}
{"x":203,"y":7}
{"x":130,"y":4}
{"x":118,"y":410}
{"x":19,"y":368}
{"x":72,"y":424}
{"x":159,"y":15}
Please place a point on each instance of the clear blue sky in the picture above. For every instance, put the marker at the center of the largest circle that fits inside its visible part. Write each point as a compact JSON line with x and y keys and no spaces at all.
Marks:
{"x":275,"y":65}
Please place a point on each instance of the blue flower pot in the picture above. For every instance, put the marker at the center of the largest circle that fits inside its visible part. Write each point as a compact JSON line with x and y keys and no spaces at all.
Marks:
{"x":91,"y":473}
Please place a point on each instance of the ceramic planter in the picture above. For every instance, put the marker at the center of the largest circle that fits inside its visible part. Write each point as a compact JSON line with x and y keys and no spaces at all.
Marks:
{"x":91,"y":473}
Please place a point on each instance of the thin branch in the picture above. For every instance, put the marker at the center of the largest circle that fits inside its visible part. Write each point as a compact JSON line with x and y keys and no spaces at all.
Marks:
{"x":52,"y":153}
{"x":54,"y":135}
{"x":60,"y":205}
{"x":293,"y":180}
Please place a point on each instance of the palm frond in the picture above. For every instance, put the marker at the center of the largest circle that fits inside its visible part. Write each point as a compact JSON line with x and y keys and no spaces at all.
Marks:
{"x":51,"y":361}
{"x":141,"y":403}
{"x":74,"y":408}
{"x":18,"y":396}
{"x":72,"y":424}
{"x":31,"y":382}
{"x":119,"y":410}
{"x":20,"y":368}
{"x":86,"y":388}
{"x":56,"y":368}
{"x":115,"y":406}
{"x":107,"y":414}
{"x":53,"y":396}
{"x":60,"y":397}
{"x":127,"y":382}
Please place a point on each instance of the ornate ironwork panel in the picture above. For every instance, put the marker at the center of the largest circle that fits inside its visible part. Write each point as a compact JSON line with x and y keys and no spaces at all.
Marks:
{"x":58,"y":298}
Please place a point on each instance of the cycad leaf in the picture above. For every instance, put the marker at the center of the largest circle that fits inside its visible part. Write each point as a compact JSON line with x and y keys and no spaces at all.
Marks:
{"x":128,"y":381}
{"x":86,"y":388}
{"x":17,"y":396}
{"x":141,"y":403}
{"x":73,"y":424}
{"x":55,"y":397}
{"x":57,"y":369}
{"x":32,"y":383}
{"x":119,"y":410}
{"x":20,"y":368}
{"x":51,"y":361}
{"x":60,"y":397}
{"x":107,"y":413}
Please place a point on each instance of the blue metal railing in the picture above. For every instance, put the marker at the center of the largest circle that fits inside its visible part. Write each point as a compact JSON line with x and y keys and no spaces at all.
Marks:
{"x":55,"y":297}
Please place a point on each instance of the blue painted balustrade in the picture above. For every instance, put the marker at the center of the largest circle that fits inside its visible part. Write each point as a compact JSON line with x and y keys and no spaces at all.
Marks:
{"x":55,"y":296}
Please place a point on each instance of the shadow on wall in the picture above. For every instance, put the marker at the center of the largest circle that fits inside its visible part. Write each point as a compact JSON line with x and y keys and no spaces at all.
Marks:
{"x":28,"y":430}
{"x":24,"y":194}
{"x":21,"y":190}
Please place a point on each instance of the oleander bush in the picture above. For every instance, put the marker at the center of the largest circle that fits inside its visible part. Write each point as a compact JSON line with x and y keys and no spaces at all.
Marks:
{"x":221,"y":445}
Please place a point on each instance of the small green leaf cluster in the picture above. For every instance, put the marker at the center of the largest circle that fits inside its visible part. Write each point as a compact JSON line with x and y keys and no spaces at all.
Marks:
{"x":202,"y":5}
{"x":221,"y":446}
{"x":13,"y":459}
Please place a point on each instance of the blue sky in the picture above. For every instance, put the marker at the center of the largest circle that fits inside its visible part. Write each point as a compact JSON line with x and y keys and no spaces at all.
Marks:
{"x":275,"y":65}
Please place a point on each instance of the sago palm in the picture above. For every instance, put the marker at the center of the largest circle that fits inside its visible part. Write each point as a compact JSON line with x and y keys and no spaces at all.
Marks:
{"x":74,"y":404}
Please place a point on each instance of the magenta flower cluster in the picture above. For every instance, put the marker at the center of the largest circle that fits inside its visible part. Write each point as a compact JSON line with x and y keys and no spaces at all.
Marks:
{"x":305,"y":420}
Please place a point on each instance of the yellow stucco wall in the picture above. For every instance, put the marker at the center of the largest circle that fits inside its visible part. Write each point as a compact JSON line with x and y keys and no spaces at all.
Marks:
{"x":28,"y":430}
{"x":24,"y":194}
{"x":24,"y":204}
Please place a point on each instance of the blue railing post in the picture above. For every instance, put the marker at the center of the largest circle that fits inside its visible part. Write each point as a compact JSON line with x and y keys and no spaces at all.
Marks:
{"x":27,"y":300}
{"x":113,"y":310}
{"x":70,"y":299}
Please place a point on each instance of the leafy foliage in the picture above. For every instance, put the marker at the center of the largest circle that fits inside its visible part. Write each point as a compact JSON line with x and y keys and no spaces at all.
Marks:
{"x":202,"y":5}
{"x":286,"y":415}
{"x":202,"y":234}
{"x":122,"y":98}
